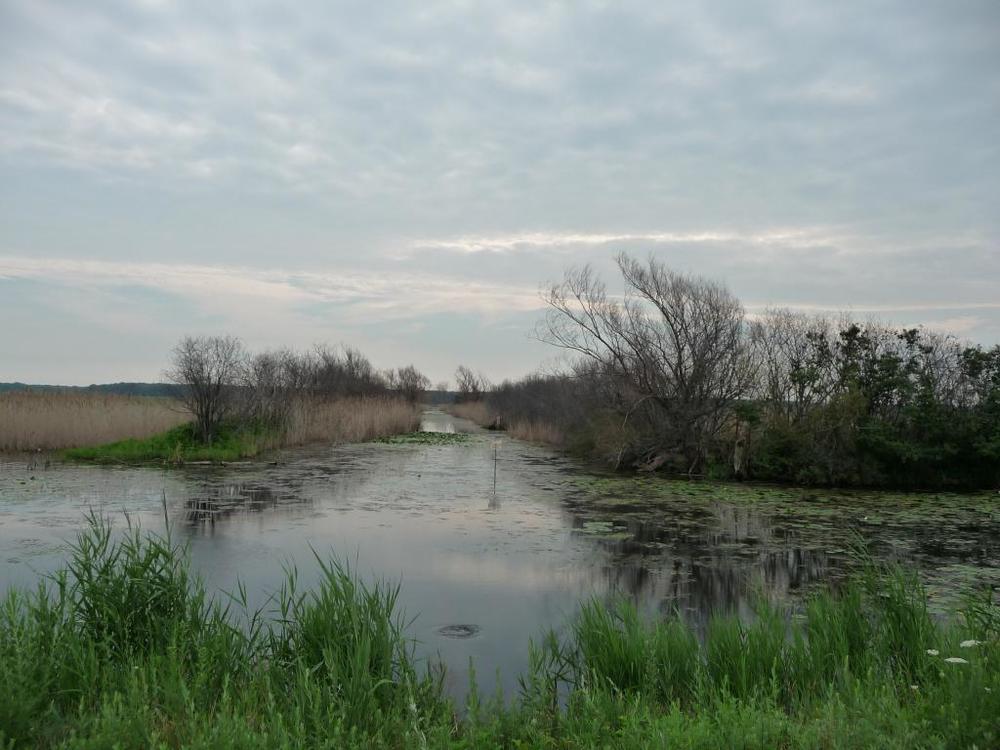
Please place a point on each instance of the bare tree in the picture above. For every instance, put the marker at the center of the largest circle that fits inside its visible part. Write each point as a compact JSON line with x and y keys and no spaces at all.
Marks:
{"x":345,"y":372}
{"x":471,"y":385}
{"x":409,"y":382}
{"x":270,"y":382}
{"x":677,"y":344}
{"x":210,"y":369}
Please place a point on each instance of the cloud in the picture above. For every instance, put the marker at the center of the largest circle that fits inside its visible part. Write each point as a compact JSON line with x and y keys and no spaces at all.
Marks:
{"x":357,"y":295}
{"x":570,"y":240}
{"x":960,"y":325}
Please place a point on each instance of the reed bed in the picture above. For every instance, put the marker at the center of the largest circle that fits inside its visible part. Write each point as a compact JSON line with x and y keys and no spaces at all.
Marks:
{"x":349,"y":420}
{"x":474,"y":411}
{"x":308,"y":420}
{"x":536,"y":432}
{"x":125,"y":648}
{"x":31,"y":420}
{"x":532,"y":431}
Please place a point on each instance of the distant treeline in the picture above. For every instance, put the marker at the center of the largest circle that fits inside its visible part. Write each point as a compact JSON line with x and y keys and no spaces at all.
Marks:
{"x":676,"y":375}
{"x":122,"y":389}
{"x":166,"y":390}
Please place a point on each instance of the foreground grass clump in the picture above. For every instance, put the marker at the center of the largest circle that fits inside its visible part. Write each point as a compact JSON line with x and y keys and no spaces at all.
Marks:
{"x":425,"y":438}
{"x":124,"y":649}
{"x":180,"y":445}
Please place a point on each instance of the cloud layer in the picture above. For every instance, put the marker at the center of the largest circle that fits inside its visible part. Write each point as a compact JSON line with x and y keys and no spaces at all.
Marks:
{"x":390,"y":164}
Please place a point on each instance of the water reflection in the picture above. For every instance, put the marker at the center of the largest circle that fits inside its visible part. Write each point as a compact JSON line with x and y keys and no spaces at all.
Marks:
{"x":210,"y":504}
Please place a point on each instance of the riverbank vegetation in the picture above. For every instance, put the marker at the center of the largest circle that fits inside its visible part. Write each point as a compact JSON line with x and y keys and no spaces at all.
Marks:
{"x":124,"y":648}
{"x":675,"y":375}
{"x":233,"y":404}
{"x":52,"y":420}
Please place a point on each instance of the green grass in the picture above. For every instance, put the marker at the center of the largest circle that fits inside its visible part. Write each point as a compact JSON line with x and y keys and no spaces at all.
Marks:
{"x":123,"y":648}
{"x":177,"y":446}
{"x":425,"y":438}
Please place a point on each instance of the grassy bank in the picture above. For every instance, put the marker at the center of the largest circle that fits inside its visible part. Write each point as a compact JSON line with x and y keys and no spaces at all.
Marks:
{"x":123,"y":648}
{"x":310,"y":420}
{"x":52,"y":421}
{"x":177,"y":446}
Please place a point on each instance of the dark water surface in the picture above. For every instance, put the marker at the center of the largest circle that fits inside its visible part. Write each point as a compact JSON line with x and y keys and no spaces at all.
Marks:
{"x":484,"y":573}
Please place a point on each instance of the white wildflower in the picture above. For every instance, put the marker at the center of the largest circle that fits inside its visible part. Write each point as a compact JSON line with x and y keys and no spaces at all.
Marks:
{"x":956,"y":660}
{"x":914,"y":687}
{"x":970,"y":643}
{"x":933,"y":652}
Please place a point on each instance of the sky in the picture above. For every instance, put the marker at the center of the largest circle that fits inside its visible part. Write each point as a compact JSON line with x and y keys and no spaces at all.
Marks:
{"x":404,"y":177}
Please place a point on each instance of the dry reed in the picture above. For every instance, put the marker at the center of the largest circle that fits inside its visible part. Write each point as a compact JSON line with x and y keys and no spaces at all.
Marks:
{"x":350,"y":420}
{"x":474,"y":411}
{"x":536,"y":432}
{"x":530,"y":430}
{"x":31,"y":420}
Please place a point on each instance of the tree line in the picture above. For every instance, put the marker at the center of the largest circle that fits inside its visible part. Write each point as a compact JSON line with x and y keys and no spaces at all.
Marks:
{"x":675,"y":374}
{"x":221,"y":382}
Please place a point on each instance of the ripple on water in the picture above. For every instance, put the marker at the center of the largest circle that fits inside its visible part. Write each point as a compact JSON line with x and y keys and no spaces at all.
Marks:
{"x":464,"y":630}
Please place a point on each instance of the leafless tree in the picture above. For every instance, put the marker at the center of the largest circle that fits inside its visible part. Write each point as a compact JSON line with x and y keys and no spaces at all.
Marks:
{"x":210,"y":369}
{"x":344,"y":372}
{"x":471,"y":385}
{"x":678,"y":344}
{"x":409,"y":382}
{"x":270,"y":382}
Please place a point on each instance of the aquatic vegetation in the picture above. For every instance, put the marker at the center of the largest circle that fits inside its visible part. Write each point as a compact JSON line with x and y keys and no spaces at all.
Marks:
{"x":425,"y":438}
{"x":124,"y":647}
{"x":959,"y":533}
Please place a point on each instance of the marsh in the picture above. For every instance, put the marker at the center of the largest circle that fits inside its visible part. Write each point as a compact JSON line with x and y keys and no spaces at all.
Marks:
{"x":483,"y":573}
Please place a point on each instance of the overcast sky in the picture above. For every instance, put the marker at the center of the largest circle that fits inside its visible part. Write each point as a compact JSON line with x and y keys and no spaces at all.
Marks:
{"x":402,"y":177}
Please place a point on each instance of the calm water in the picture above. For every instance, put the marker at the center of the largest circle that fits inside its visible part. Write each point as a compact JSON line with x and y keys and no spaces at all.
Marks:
{"x":482,"y":573}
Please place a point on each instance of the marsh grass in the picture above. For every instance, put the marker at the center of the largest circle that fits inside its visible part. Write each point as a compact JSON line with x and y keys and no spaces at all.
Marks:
{"x":124,"y":645}
{"x":474,"y":411}
{"x":310,"y":420}
{"x":532,"y":431}
{"x":51,"y":421}
{"x":536,"y":432}
{"x":350,"y":420}
{"x":124,"y":648}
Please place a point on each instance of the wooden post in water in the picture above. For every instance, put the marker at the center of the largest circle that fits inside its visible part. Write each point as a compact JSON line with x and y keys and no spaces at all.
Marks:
{"x":494,"y":469}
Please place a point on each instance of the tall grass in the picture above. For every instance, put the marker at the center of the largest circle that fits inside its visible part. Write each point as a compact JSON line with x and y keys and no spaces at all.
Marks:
{"x":349,"y":420}
{"x":536,"y":432}
{"x":124,"y":648}
{"x":309,"y":420}
{"x":869,"y":653}
{"x":51,"y":421}
{"x":532,"y":431}
{"x":475,"y":411}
